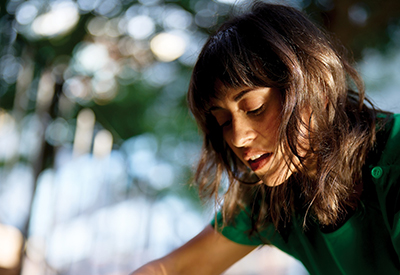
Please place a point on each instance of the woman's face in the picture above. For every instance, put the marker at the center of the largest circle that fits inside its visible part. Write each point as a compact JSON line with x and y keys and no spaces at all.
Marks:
{"x":250,"y":118}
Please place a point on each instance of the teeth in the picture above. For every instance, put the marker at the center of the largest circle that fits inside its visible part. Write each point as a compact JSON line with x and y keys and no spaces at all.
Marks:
{"x":255,"y":157}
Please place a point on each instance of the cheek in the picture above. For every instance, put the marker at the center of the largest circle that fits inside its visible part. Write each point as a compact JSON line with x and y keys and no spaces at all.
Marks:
{"x":278,"y":173}
{"x":227,"y":138}
{"x":235,"y":150}
{"x":270,"y":127}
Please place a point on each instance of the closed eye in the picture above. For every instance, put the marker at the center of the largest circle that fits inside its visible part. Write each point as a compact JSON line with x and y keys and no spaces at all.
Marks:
{"x":226,"y":123}
{"x":223,"y":120}
{"x":256,"y":111}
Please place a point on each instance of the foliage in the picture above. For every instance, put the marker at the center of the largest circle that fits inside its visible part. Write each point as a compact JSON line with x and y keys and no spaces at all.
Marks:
{"x":102,"y":59}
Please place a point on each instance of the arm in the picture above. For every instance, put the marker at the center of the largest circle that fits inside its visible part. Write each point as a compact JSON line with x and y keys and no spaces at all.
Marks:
{"x":207,"y":253}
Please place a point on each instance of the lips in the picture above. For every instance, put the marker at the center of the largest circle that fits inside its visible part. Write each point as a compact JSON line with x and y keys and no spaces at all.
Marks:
{"x":258,"y":161}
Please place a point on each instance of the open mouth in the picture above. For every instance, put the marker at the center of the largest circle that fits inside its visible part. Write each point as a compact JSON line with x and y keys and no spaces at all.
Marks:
{"x":257,"y":162}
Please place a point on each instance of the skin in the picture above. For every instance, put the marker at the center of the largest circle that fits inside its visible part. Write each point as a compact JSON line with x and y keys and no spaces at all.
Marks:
{"x":208,"y":253}
{"x":250,"y":120}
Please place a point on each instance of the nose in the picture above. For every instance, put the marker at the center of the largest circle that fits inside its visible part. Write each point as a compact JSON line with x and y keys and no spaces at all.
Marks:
{"x":242,"y":132}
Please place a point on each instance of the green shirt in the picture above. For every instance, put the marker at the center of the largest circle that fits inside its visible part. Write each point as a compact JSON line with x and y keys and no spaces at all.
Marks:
{"x":368,"y":243}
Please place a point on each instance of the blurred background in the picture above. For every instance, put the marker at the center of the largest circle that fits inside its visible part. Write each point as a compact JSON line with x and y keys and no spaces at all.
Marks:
{"x":96,"y":142}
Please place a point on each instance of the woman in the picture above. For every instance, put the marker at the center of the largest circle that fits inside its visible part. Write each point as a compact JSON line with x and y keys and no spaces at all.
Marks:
{"x":312,"y":169}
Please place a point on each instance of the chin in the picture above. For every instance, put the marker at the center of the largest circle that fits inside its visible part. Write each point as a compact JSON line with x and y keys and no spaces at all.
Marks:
{"x":276,"y":178}
{"x":272,"y":183}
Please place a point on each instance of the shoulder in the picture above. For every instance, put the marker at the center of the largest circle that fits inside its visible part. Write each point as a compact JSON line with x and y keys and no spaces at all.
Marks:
{"x":384,"y":161}
{"x":383,"y":169}
{"x":386,"y":149}
{"x":239,"y":229}
{"x":391,"y":150}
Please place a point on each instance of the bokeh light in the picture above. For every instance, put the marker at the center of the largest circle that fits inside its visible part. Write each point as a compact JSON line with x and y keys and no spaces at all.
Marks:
{"x":96,"y":142}
{"x":11,"y":241}
{"x":26,"y":13}
{"x":168,"y":46}
{"x":140,"y":27}
{"x":61,"y":18}
{"x":83,"y":132}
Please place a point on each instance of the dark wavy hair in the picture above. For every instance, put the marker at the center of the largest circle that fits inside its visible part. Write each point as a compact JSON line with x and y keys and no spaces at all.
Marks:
{"x":278,"y":46}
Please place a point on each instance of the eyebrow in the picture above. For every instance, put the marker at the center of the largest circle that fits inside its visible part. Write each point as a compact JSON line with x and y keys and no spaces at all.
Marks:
{"x":237,"y":97}
{"x":241,"y":94}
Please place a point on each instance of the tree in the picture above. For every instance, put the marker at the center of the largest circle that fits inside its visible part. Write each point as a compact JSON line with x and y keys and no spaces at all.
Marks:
{"x":58,"y":58}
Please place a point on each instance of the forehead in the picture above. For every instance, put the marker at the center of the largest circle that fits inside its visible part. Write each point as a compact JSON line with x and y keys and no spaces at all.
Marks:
{"x":224,"y":91}
{"x":246,"y":95}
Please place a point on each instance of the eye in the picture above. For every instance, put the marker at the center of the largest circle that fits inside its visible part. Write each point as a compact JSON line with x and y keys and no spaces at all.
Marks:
{"x":226,"y":123}
{"x":222,"y":119}
{"x":256,"y":111}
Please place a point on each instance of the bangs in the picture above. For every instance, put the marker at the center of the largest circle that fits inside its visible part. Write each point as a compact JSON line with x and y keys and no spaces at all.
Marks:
{"x":236,"y":66}
{"x":233,"y":59}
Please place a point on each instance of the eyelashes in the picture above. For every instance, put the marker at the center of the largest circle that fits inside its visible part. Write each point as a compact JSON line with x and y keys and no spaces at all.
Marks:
{"x":254,"y":112}
{"x":226,"y":123}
